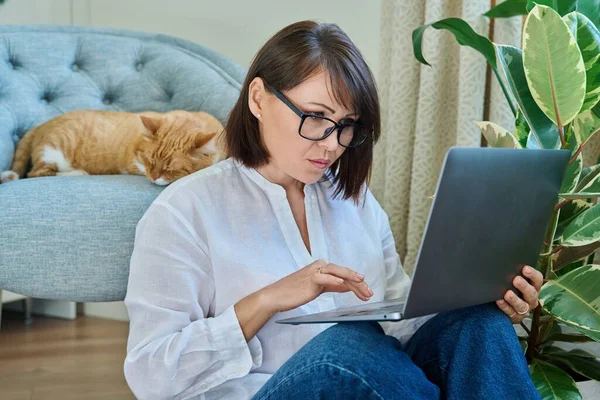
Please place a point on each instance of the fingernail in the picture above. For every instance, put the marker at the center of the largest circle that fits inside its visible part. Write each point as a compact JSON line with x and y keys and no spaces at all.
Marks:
{"x":339,"y":280}
{"x":370,"y":291}
{"x":527,"y":270}
{"x":359,"y":276}
{"x":511,"y":296}
{"x":520,"y":280}
{"x":502,"y":302}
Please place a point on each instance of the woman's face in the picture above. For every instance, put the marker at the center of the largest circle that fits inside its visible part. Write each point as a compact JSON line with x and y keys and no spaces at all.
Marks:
{"x":293,"y":156}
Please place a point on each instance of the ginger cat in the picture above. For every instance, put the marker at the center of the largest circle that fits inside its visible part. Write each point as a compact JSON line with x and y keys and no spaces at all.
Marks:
{"x":162,"y":146}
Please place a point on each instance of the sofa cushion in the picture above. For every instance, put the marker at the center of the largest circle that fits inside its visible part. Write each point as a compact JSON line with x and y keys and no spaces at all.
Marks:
{"x":71,"y":237}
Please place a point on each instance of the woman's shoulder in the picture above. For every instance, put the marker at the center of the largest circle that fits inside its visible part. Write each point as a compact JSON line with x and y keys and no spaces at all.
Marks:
{"x":210,"y":180}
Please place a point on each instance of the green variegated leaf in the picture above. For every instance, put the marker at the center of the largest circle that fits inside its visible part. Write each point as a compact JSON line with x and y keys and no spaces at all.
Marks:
{"x":588,"y":40}
{"x":571,"y":254}
{"x":587,"y":175}
{"x":522,"y":128}
{"x":568,"y":337}
{"x":497,"y":136}
{"x":579,"y":195}
{"x":544,"y":134}
{"x":569,"y":212}
{"x":553,"y":65}
{"x":587,"y":124}
{"x":574,"y":299}
{"x":591,"y":9}
{"x":507,"y":9}
{"x":591,"y":185}
{"x":579,"y":361}
{"x":560,"y":6}
{"x":584,"y":229}
{"x":572,"y":175}
{"x":575,"y":352}
{"x":464,"y":35}
{"x":564,"y":337}
{"x":552,"y":383}
{"x":568,"y":268}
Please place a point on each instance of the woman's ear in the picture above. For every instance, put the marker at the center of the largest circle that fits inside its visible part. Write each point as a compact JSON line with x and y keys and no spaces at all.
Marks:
{"x":256,"y":97}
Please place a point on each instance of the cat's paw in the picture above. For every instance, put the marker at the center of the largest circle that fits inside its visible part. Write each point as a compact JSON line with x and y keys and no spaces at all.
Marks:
{"x":8,"y":176}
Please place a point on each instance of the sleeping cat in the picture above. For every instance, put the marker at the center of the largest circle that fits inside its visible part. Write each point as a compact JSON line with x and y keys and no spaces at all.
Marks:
{"x":162,"y":146}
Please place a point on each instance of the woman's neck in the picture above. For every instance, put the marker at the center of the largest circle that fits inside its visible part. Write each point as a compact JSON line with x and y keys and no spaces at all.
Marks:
{"x":276,"y":176}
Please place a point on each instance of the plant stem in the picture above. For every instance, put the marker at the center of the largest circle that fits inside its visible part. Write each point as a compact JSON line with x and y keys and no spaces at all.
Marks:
{"x":562,"y":204}
{"x":506,"y":94}
{"x":561,"y":132}
{"x":545,"y":264}
{"x":574,"y":157}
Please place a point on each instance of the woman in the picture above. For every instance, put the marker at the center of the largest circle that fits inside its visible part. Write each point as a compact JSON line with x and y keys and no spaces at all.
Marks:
{"x":286,"y":227}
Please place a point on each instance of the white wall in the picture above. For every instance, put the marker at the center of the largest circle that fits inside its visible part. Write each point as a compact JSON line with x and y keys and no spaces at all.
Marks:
{"x":235,"y":29}
{"x":35,"y":12}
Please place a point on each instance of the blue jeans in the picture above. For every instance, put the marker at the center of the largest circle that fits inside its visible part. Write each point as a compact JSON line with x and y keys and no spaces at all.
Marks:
{"x":471,"y":353}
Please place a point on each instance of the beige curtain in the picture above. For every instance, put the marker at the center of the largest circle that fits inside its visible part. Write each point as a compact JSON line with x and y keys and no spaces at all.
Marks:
{"x":426,"y":110}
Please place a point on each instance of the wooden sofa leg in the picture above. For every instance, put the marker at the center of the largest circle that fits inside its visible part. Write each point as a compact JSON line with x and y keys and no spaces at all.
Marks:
{"x":28,"y":306}
{"x":0,"y":309}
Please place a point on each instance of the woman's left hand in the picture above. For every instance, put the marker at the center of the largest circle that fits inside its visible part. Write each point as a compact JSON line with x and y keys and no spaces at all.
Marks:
{"x":518,"y":308}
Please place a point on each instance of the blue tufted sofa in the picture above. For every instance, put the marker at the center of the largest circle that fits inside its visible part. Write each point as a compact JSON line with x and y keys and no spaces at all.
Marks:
{"x":70,"y":238}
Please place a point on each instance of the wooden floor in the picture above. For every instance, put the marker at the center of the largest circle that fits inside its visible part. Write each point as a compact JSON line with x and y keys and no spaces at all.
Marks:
{"x":60,"y":359}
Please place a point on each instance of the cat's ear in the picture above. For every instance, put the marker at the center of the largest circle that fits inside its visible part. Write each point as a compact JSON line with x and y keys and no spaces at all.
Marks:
{"x":202,"y":146}
{"x":152,"y":124}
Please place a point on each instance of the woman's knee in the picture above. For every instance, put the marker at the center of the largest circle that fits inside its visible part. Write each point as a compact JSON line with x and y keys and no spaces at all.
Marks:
{"x":482,"y":320}
{"x":351,"y":373}
{"x":323,"y":379}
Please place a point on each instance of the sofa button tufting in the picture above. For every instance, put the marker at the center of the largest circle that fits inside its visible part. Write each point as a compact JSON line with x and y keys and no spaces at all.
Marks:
{"x":107,"y":101}
{"x":16,"y":138}
{"x":75,"y":67}
{"x":139,"y":66}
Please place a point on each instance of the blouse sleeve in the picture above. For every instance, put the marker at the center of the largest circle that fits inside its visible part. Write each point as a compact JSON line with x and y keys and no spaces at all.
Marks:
{"x":176,"y":349}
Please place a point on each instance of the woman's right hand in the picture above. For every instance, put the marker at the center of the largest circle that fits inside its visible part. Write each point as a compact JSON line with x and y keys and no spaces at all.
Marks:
{"x":311,"y":281}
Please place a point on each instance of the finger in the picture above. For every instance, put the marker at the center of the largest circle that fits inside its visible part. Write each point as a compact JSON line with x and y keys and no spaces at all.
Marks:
{"x":506,"y":308}
{"x":328,"y":280}
{"x":342,"y":272}
{"x":536,"y":277}
{"x":530,"y":295}
{"x":332,"y":283}
{"x":353,"y":287}
{"x":518,"y":304}
{"x":361,"y":288}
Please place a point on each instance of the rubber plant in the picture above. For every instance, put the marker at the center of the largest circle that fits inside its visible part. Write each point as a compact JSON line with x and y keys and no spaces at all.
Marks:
{"x":552,"y":85}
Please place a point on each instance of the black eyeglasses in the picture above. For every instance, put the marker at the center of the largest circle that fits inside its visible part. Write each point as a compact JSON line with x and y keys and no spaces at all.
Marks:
{"x":315,"y":127}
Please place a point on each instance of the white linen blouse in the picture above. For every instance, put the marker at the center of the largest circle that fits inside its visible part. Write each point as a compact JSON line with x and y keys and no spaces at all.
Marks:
{"x":214,"y":237}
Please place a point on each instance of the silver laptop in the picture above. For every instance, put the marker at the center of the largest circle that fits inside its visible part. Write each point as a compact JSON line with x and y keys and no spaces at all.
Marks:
{"x":488,"y":219}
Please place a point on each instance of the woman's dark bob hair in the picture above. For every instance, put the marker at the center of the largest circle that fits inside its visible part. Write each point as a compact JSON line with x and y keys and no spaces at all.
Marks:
{"x":294,"y":54}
